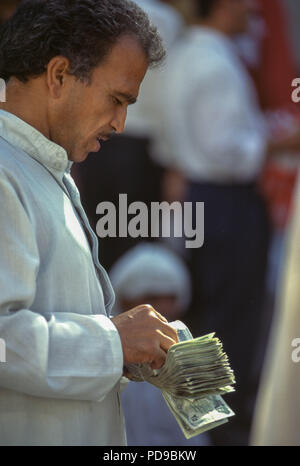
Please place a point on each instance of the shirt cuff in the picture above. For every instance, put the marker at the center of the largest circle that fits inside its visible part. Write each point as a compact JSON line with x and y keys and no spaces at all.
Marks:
{"x":113,"y":342}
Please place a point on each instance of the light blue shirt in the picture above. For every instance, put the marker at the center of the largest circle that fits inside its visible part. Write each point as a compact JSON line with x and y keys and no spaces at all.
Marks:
{"x":64,"y":360}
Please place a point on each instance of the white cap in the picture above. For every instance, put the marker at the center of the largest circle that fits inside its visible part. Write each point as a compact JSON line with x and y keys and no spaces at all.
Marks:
{"x":151,"y":269}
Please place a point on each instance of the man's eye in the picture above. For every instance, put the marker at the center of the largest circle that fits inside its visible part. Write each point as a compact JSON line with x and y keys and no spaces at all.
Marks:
{"x":117,"y":101}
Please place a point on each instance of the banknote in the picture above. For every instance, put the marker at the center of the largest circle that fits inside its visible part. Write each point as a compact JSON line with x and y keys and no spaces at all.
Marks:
{"x":195,"y":375}
{"x":198,"y":415}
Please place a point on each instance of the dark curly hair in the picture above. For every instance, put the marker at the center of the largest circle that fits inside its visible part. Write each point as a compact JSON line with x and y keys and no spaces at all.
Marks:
{"x":84,"y":31}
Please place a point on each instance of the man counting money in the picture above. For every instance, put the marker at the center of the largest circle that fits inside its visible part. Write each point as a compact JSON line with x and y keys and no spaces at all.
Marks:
{"x":71,"y":68}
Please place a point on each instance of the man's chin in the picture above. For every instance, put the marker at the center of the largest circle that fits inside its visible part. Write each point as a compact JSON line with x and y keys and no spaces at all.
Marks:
{"x":78,"y":157}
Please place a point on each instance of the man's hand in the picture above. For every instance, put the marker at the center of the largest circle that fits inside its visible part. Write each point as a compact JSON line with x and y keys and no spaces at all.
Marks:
{"x":145,"y":336}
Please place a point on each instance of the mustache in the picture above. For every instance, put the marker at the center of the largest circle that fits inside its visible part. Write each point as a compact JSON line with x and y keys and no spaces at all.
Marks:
{"x":106,"y":136}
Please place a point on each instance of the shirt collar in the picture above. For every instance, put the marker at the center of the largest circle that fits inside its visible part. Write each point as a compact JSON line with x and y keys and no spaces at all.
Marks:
{"x":27,"y":138}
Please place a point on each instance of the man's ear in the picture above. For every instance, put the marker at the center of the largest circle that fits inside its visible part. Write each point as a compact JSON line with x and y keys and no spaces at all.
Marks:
{"x":57,"y":74}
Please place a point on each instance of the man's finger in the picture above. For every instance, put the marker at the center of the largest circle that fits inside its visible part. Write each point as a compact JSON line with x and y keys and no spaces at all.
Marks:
{"x":166,"y":342}
{"x":169,"y":331}
{"x":159,"y":359}
{"x":160,"y":317}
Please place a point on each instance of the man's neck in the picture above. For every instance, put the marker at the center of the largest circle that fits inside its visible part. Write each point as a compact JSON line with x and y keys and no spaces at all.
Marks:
{"x":23,"y":102}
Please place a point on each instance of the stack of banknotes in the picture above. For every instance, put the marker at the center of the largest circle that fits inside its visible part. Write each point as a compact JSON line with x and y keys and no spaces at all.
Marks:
{"x":195,"y":375}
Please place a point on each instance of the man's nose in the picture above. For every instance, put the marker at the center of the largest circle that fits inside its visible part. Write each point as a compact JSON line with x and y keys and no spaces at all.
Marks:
{"x":118,"y":122}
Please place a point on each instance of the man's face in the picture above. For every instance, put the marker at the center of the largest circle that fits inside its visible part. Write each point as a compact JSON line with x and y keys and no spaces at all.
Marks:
{"x":86,"y":113}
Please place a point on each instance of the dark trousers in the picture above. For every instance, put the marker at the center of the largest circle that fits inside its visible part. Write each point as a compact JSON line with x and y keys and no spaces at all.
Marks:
{"x":229,"y":286}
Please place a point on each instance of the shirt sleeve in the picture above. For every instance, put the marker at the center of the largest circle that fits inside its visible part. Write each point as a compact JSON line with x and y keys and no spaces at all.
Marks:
{"x":67,"y":355}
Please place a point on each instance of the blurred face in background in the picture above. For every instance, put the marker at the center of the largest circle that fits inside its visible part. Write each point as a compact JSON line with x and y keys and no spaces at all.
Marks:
{"x":235,"y":12}
{"x":185,"y":7}
{"x":239,"y":12}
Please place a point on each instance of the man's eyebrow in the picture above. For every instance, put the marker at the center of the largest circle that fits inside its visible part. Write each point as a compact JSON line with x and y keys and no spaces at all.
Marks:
{"x":128,"y":97}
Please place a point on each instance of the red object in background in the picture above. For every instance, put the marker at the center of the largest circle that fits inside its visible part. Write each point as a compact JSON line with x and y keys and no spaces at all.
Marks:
{"x":273,"y":78}
{"x":280,"y":175}
{"x":277,"y":185}
{"x":277,"y":69}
